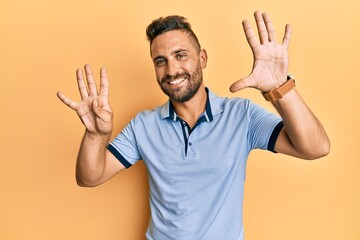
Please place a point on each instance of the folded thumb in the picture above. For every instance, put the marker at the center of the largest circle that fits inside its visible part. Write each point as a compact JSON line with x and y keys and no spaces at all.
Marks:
{"x":95,"y":106}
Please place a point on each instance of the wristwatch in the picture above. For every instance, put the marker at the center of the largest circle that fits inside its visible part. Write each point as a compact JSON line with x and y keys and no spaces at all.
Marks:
{"x":279,"y":92}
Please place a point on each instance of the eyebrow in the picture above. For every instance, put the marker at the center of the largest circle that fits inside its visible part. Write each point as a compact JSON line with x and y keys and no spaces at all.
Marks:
{"x":172,"y":53}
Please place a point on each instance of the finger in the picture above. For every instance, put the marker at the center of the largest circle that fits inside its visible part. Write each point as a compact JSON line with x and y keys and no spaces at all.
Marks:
{"x":67,"y":101}
{"x":104,"y":82}
{"x":241,"y":84}
{"x":269,"y":27}
{"x":81,"y":84}
{"x":287,"y":36}
{"x":263,"y":33}
{"x":249,"y":33}
{"x":90,"y":80}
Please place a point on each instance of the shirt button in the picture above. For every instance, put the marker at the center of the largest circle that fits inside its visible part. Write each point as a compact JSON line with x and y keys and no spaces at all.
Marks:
{"x":190,"y":143}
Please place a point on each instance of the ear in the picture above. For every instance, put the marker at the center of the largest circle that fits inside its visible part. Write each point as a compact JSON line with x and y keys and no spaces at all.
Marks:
{"x":203,"y":58}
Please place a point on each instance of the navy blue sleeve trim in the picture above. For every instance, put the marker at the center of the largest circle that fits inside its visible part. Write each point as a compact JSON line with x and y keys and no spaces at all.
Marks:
{"x":274,"y":136}
{"x":119,"y":156}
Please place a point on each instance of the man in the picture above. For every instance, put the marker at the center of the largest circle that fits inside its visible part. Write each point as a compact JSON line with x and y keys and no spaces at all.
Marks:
{"x":195,"y":146}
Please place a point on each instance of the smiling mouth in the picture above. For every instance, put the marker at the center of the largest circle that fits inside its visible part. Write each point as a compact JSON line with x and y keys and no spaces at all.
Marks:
{"x":177,"y":81}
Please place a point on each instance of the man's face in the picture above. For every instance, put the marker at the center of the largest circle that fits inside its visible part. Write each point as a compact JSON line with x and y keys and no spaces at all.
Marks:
{"x":178,"y":64}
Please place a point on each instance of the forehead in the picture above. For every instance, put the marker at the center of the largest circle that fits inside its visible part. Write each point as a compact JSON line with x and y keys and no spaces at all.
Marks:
{"x":171,"y":41}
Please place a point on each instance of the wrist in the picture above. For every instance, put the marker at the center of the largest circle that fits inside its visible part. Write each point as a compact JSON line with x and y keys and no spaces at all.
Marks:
{"x":102,"y":137}
{"x":279,"y":92}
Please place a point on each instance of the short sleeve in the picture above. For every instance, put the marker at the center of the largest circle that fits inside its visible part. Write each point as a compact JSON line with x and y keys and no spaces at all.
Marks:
{"x":264,"y":128}
{"x":124,"y":146}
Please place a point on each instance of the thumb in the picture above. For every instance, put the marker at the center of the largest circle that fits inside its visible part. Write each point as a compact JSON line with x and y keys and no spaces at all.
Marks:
{"x":240,"y":84}
{"x":95,"y":106}
{"x":99,"y":110}
{"x":95,"y":103}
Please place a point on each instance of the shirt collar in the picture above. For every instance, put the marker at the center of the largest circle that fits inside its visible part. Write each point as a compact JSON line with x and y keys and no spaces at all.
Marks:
{"x":213,"y":107}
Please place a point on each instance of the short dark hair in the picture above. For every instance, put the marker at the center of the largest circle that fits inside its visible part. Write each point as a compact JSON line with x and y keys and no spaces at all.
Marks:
{"x":169,"y":23}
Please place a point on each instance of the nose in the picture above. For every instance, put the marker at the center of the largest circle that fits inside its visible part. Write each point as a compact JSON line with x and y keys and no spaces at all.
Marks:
{"x":172,"y":68}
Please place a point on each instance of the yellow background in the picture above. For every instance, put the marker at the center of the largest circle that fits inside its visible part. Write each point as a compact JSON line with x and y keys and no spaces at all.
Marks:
{"x":42,"y":42}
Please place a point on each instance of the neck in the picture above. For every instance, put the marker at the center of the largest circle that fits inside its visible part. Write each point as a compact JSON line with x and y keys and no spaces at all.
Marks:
{"x":191,"y":110}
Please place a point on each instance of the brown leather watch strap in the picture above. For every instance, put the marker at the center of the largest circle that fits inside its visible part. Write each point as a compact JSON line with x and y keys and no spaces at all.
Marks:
{"x":279,"y":92}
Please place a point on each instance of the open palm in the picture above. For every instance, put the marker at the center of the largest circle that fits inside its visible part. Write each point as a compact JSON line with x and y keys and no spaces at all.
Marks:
{"x":93,"y":109}
{"x":271,"y":59}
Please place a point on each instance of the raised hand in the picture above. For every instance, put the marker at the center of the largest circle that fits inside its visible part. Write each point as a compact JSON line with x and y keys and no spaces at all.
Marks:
{"x":271,"y":60}
{"x":93,"y":109}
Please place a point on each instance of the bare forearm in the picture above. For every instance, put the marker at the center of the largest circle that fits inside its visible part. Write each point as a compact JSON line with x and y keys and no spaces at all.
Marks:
{"x":91,"y":159}
{"x":304,"y":131}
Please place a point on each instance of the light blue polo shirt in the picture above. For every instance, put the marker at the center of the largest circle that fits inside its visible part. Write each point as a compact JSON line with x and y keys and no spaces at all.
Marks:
{"x":196,"y":176}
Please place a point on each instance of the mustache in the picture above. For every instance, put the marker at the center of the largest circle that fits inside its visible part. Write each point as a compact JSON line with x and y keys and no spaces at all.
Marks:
{"x":168,"y":78}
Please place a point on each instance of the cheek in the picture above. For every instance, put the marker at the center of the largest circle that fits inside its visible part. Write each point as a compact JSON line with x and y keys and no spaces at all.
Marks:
{"x":189,"y":66}
{"x":158,"y":74}
{"x":194,"y":67}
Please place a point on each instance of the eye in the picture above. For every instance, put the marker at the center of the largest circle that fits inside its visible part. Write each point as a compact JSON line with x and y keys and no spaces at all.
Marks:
{"x":181,"y":55}
{"x":160,"y":62}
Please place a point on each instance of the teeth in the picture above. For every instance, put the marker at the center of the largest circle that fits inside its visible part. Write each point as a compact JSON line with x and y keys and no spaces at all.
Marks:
{"x":177,"y":81}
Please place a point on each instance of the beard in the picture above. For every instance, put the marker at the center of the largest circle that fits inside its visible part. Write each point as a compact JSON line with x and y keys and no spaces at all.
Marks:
{"x":183,"y":93}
